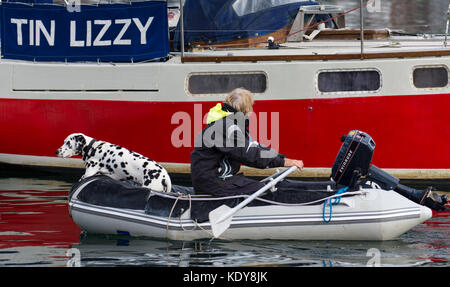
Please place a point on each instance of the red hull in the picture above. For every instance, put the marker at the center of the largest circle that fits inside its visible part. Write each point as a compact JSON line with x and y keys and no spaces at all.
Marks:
{"x":410,"y":131}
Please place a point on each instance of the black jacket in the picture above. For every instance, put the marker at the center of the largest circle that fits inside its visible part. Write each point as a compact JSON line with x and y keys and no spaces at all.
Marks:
{"x":219,"y":151}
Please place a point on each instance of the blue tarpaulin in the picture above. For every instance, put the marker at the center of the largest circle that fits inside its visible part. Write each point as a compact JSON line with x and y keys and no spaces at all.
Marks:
{"x":107,"y":32}
{"x":216,"y":21}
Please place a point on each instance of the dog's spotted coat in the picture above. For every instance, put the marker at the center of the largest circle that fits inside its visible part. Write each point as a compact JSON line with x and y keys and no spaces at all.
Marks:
{"x":115,"y":161}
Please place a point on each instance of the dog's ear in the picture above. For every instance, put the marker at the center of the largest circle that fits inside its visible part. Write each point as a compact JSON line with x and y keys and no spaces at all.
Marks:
{"x":80,"y":139}
{"x":80,"y":142}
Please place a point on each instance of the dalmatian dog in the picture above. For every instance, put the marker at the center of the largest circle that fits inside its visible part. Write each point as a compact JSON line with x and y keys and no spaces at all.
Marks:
{"x":116,"y":162}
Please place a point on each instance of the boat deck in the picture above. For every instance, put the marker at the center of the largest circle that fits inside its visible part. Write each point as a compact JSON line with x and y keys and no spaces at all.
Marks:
{"x":393,"y":46}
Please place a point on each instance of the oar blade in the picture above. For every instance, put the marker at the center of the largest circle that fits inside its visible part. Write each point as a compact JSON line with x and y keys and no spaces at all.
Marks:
{"x":218,"y":224}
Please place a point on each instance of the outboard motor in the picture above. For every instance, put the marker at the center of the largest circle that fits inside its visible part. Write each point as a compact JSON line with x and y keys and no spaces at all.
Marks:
{"x":353,"y":162}
{"x":423,"y":197}
{"x":354,"y":158}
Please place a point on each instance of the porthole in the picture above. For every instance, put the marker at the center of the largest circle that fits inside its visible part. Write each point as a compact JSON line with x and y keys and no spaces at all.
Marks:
{"x":223,"y":83}
{"x":335,"y":81}
{"x":427,"y":77}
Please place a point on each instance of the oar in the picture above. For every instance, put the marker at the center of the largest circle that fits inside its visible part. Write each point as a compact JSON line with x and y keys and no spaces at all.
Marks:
{"x":220,"y":218}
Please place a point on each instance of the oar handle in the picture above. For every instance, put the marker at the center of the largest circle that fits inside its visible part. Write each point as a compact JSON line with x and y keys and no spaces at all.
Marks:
{"x":270,"y":177}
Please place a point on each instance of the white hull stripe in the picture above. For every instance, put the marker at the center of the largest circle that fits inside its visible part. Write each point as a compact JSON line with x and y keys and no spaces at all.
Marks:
{"x":249,"y":221}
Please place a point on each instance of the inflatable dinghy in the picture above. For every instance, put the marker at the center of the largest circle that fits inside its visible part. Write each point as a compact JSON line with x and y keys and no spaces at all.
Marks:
{"x":102,"y":205}
{"x":360,"y":202}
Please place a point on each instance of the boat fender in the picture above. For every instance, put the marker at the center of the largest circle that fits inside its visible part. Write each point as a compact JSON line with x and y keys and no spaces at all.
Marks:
{"x":271,"y":43}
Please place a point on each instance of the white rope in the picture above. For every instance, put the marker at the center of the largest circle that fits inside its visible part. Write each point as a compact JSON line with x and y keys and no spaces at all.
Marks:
{"x":189,"y":197}
{"x":170,"y":215}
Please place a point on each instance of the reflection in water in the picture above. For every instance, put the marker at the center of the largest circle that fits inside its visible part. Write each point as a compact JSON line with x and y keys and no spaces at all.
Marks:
{"x":418,"y":16}
{"x":421,"y":246}
{"x":35,"y":227}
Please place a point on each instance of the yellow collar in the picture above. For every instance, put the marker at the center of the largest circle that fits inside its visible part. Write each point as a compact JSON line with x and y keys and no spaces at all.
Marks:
{"x":216,"y":113}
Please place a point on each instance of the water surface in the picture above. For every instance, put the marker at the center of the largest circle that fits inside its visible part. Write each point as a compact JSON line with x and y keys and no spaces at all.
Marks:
{"x":36,"y":230}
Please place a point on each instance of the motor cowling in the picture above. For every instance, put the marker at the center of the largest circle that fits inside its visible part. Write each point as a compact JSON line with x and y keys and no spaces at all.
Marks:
{"x":354,"y":158}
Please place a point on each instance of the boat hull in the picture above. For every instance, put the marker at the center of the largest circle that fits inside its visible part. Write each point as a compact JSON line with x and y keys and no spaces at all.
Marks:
{"x":147,"y":108}
{"x":374,"y":215}
{"x":412,"y":124}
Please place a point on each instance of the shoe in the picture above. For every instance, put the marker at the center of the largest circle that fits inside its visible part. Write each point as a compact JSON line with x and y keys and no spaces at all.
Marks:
{"x":434,"y":201}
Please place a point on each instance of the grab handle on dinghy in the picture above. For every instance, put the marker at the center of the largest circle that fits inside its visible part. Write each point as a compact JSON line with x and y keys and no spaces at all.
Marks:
{"x":220,"y":218}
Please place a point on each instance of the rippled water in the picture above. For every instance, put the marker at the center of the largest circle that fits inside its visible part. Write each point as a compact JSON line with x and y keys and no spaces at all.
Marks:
{"x":36,"y":230}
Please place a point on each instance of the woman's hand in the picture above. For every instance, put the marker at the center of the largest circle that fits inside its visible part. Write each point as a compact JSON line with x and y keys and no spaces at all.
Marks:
{"x":293,"y":162}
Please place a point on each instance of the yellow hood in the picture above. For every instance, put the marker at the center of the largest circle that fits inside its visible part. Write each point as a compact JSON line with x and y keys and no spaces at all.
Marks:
{"x":216,"y":113}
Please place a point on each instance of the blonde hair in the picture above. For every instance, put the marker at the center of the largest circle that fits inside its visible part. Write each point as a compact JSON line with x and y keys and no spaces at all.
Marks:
{"x":240,"y":99}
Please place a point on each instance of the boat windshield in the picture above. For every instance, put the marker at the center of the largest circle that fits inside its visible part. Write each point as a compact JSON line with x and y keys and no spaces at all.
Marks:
{"x":220,"y":21}
{"x":245,"y":7}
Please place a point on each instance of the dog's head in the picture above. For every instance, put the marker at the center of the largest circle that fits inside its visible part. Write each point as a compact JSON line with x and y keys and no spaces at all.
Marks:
{"x":73,"y":145}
